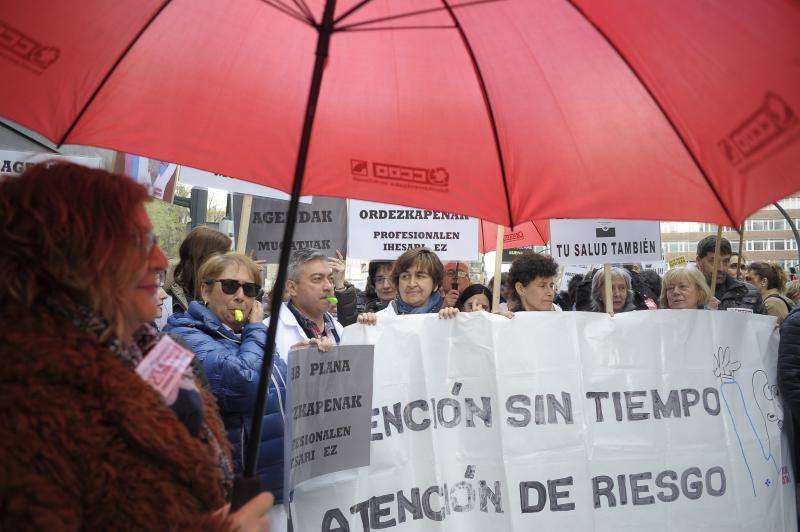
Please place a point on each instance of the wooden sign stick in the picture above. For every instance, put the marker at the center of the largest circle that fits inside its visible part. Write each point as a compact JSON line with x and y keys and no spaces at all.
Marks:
{"x":498,"y":262}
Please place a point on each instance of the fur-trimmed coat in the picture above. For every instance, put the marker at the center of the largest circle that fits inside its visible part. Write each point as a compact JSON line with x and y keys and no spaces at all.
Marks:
{"x":86,"y":444}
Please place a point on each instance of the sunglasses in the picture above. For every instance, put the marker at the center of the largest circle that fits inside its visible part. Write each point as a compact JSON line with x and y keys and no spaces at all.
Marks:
{"x":231,"y":286}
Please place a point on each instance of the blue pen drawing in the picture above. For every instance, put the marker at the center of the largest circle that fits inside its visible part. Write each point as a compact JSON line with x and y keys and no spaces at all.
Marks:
{"x":769,"y":410}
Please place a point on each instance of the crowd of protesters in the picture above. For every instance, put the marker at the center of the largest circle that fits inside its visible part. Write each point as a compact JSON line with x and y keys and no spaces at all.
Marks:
{"x":84,"y":287}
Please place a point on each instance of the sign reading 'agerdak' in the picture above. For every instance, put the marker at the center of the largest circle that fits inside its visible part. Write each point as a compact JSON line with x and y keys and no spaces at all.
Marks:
{"x":605,"y":241}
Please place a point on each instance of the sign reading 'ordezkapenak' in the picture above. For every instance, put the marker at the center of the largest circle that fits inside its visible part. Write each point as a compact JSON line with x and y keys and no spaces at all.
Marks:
{"x":329,"y":411}
{"x":604,"y":241}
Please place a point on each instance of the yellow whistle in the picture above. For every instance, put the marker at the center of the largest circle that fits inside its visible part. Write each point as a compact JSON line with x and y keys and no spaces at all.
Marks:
{"x":238,"y":315}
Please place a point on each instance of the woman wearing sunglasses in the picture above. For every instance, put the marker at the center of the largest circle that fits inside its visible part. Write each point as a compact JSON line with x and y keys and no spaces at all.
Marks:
{"x":226,"y":332}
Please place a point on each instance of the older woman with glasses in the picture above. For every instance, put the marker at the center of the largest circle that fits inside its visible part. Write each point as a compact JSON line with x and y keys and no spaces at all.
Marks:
{"x":87,"y":442}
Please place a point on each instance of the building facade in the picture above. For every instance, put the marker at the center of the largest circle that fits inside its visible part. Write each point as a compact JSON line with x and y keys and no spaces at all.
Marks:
{"x":767,"y":236}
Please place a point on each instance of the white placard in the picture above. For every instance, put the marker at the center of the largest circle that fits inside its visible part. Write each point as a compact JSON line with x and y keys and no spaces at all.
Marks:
{"x":201,"y":178}
{"x":605,"y":241}
{"x":381,"y":231}
{"x":570,"y":272}
{"x":15,"y":162}
{"x":569,"y":421}
{"x":659,"y":266}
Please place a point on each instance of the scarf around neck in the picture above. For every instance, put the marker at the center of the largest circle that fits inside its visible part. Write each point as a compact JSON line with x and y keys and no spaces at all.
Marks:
{"x":188,"y":405}
{"x":433,"y":304}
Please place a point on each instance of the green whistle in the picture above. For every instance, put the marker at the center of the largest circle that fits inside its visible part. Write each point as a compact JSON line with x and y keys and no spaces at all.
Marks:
{"x":332,"y":300}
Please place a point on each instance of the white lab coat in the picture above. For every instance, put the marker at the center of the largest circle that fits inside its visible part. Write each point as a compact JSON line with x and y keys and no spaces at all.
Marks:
{"x":289,"y":332}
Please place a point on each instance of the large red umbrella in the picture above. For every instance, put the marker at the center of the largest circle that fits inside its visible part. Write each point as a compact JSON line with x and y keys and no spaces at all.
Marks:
{"x":507,"y":110}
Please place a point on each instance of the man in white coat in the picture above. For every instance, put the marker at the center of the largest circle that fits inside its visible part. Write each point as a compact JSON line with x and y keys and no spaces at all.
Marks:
{"x":305,"y":315}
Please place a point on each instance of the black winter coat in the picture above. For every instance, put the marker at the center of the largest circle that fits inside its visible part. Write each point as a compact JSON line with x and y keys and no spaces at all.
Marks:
{"x":736,"y":294}
{"x":789,"y":376}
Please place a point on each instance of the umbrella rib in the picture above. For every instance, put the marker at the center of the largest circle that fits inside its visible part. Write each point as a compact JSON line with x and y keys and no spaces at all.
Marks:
{"x":111,"y":70}
{"x":283,"y":8}
{"x":660,"y":108}
{"x":382,"y":28}
{"x":27,"y":137}
{"x":409,"y":14}
{"x":350,"y":11}
{"x":489,"y":110}
{"x":303,"y":7}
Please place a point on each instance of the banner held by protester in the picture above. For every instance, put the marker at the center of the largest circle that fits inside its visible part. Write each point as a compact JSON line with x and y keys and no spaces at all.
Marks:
{"x":16,"y":162}
{"x":659,"y":420}
{"x":605,"y":241}
{"x":380,"y":231}
{"x":321,"y":224}
{"x":329,"y":402}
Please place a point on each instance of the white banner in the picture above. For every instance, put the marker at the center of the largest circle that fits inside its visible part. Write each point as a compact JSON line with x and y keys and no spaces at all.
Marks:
{"x":605,"y":241}
{"x":15,"y":162}
{"x":380,"y":231}
{"x":570,"y":421}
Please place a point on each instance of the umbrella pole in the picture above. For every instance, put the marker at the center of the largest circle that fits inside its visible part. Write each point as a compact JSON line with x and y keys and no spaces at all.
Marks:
{"x":498,"y":263}
{"x":716,"y":261}
{"x":607,"y":287}
{"x":248,"y":485}
{"x":741,"y":255}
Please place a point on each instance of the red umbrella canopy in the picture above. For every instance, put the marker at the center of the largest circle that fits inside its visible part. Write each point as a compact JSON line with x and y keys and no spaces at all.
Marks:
{"x":536,"y":233}
{"x":507,"y":110}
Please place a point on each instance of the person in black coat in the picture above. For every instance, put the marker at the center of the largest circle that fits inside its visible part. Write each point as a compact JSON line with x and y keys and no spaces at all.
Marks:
{"x":789,"y":376}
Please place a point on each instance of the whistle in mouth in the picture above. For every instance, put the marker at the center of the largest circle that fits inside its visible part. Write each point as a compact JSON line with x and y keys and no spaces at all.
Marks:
{"x":238,"y":315}
{"x":332,"y":300}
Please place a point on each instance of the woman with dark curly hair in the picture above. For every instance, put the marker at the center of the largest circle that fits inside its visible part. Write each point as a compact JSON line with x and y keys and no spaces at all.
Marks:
{"x":532,"y":280}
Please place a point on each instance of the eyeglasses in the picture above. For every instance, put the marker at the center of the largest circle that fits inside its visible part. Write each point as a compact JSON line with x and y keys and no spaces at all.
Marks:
{"x":162,"y":277}
{"x":146,"y":240}
{"x":381,"y":279}
{"x":456,"y":273}
{"x":231,"y":286}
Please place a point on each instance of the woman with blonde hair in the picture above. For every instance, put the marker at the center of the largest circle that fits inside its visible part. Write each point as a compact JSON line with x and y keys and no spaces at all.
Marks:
{"x":86,"y":443}
{"x":225,"y":329}
{"x":684,"y":288}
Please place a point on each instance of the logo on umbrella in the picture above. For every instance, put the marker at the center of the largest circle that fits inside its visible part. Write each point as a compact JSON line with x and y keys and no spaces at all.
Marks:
{"x":25,"y":51}
{"x":437,"y":178}
{"x":761,"y":129}
{"x":358,"y":167}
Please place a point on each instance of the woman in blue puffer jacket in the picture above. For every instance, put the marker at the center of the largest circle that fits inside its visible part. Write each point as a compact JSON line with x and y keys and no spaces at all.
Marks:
{"x":227,"y":335}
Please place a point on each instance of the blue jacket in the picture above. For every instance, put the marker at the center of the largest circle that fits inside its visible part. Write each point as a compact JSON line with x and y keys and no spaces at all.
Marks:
{"x":232,"y":363}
